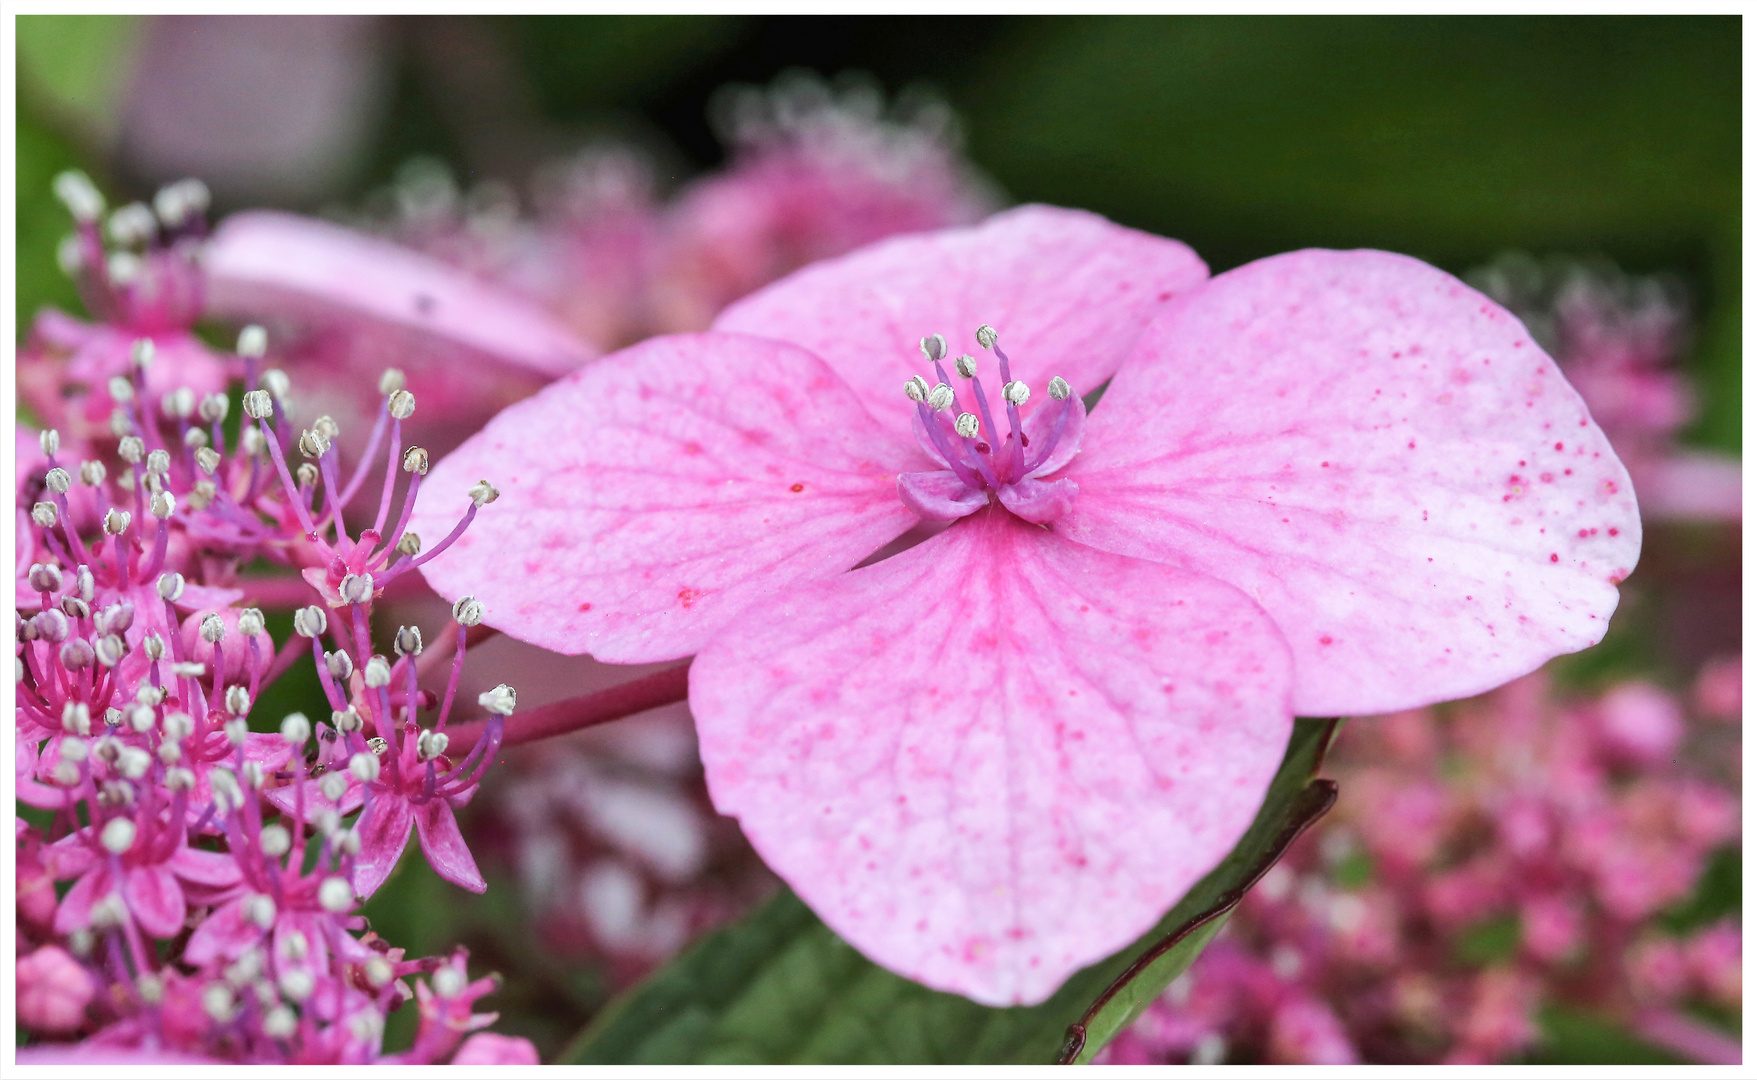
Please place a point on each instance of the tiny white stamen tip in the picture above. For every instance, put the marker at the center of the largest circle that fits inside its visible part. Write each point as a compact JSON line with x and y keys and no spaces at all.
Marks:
{"x":1059,"y":389}
{"x":43,"y":514}
{"x":968,"y":425}
{"x":310,"y":621}
{"x":501,"y":700}
{"x":966,"y":365}
{"x":940,"y":398}
{"x":467,"y":611}
{"x":132,"y":225}
{"x":275,"y":381}
{"x":985,"y":336}
{"x":118,"y":835}
{"x":409,"y":543}
{"x":933,"y":346}
{"x":121,"y":389}
{"x":401,"y":404}
{"x":163,"y":505}
{"x":356,"y":588}
{"x":258,"y":405}
{"x":276,"y":841}
{"x":415,"y":460}
{"x":448,"y":982}
{"x":214,"y":408}
{"x":335,"y":895}
{"x":50,"y":441}
{"x":298,"y":983}
{"x":1016,"y":392}
{"x":483,"y":493}
{"x":313,"y":444}
{"x":69,"y":257}
{"x":79,"y":195}
{"x":252,"y":341}
{"x":377,"y":672}
{"x":296,"y":728}
{"x":58,"y":480}
{"x":141,"y":353}
{"x":391,"y":381}
{"x":237,"y":731}
{"x":158,"y":463}
{"x":407,"y":641}
{"x":213,"y":629}
{"x":334,"y":786}
{"x":170,"y":586}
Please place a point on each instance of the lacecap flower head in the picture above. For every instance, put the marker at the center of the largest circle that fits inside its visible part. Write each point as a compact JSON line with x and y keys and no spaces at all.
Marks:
{"x":1323,"y":483}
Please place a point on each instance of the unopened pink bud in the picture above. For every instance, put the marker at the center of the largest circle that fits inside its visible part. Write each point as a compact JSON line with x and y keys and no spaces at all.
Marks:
{"x":53,"y":990}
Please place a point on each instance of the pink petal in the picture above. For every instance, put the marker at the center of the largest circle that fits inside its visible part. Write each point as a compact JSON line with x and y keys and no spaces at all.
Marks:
{"x":1040,"y":427}
{"x":210,"y":868}
{"x":384,"y":832}
{"x":1068,"y":291}
{"x":283,"y":798}
{"x":224,"y":933}
{"x":1380,"y":457}
{"x":998,"y":756}
{"x":155,"y":899}
{"x":648,"y":499}
{"x":1039,"y":501}
{"x":444,"y":846}
{"x":263,"y":262}
{"x":939,"y":495}
{"x":75,"y":912}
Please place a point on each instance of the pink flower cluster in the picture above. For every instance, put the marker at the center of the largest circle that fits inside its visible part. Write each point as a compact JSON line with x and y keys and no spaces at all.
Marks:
{"x":215,"y":860}
{"x":1487,"y":860}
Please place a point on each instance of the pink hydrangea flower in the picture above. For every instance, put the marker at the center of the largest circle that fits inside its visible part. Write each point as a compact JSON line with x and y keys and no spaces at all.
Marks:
{"x":1328,"y":482}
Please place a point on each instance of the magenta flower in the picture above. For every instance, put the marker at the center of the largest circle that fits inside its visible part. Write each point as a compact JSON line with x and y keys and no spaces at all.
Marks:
{"x":1327,"y":482}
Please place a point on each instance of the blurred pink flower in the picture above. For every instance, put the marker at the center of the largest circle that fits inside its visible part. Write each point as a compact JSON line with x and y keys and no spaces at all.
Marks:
{"x":53,"y":991}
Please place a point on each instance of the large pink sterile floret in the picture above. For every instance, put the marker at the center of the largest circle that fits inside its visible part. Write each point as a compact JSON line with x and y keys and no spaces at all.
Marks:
{"x":1326,"y":483}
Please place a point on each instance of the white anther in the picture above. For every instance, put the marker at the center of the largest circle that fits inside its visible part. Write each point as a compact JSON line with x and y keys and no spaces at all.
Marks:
{"x":356,"y":588}
{"x":179,"y":779}
{"x":177,"y":202}
{"x":251,"y":622}
{"x":467,"y":611}
{"x":968,"y":425}
{"x":379,"y":971}
{"x":132,"y":225}
{"x":74,"y":750}
{"x":364,"y":766}
{"x":237,"y":700}
{"x":158,"y":463}
{"x":76,"y":718}
{"x":140,"y":354}
{"x":305,"y":476}
{"x":131,"y":449}
{"x":214,"y":408}
{"x":213,"y":629}
{"x":296,"y":728}
{"x":195,"y":438}
{"x":109,"y":912}
{"x":65,"y":773}
{"x":219,"y":1004}
{"x":57,"y":480}
{"x":189,"y":669}
{"x":259,"y":910}
{"x":237,"y":730}
{"x":150,"y":988}
{"x":140,"y":718}
{"x":92,"y":473}
{"x":79,"y":195}
{"x":916,"y":388}
{"x":335,"y":895}
{"x":502,"y":699}
{"x":940,"y":397}
{"x":121,"y":390}
{"x":933,"y":346}
{"x":409,"y":543}
{"x":415,"y":460}
{"x":149,"y":695}
{"x":293,"y":945}
{"x":447,"y":982}
{"x":348,"y":843}
{"x":202,"y":496}
{"x":333,"y":786}
{"x":327,"y":427}
{"x":366,"y":1027}
{"x":49,"y":441}
{"x":377,"y":672}
{"x":985,"y":336}
{"x":163,"y":505}
{"x":431,"y":744}
{"x":134,"y":762}
{"x":45,"y":577}
{"x":154,"y":647}
{"x":251,"y":442}
{"x":313,"y":444}
{"x":118,"y":835}
{"x":75,"y":608}
{"x":391,"y":381}
{"x":402,"y":404}
{"x":110,"y":649}
{"x":966,"y":365}
{"x":116,"y":521}
{"x":1016,"y":392}
{"x":346,"y":720}
{"x":178,"y":726}
{"x":44,"y":515}
{"x":69,"y":256}
{"x":252,"y":341}
{"x":310,"y":621}
{"x":280,"y":1022}
{"x":258,"y":405}
{"x":179,"y":404}
{"x":83,"y":585}
{"x":340,"y":664}
{"x":80,"y":942}
{"x":483,"y":493}
{"x":276,"y":841}
{"x":407,"y":641}
{"x":115,"y":619}
{"x":170,"y":753}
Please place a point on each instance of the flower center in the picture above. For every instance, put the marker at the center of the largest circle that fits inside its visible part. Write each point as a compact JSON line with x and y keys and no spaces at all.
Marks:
{"x":982,"y":459}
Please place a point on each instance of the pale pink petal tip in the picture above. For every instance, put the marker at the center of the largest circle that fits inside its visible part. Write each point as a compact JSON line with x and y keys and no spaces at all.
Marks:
{"x":1379,"y":456}
{"x":266,"y":263}
{"x":999,"y":756}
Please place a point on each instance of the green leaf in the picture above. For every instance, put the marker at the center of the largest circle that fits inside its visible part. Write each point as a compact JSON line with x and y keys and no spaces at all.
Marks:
{"x":779,"y":986}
